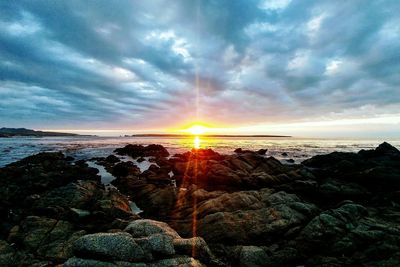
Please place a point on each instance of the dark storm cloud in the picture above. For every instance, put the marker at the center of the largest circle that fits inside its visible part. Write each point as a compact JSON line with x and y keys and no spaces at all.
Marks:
{"x":124,"y":63}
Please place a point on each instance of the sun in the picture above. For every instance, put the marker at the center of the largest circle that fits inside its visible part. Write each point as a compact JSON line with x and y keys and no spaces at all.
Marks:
{"x":196,"y":129}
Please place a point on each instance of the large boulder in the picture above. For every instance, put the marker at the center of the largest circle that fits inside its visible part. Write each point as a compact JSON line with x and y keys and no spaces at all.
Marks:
{"x":244,"y":217}
{"x":109,"y":246}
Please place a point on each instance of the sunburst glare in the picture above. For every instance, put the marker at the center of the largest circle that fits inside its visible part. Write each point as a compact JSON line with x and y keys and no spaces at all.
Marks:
{"x":197,"y":142}
{"x":196,"y":129}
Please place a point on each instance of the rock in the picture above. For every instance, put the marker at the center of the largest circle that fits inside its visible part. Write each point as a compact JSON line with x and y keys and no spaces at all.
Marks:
{"x":124,"y":169}
{"x":157,"y":245}
{"x":246,"y":216}
{"x":77,"y":262}
{"x":250,"y":256}
{"x":197,"y":248}
{"x":141,"y":159}
{"x":8,"y":255}
{"x":251,"y":209}
{"x":240,"y":150}
{"x":158,"y":200}
{"x":46,"y":237}
{"x":43,"y":171}
{"x":157,"y":175}
{"x":69,"y":158}
{"x":143,"y":151}
{"x":284,"y":154}
{"x":146,"y":227}
{"x":262,"y":151}
{"x":74,"y":195}
{"x":386,"y":149}
{"x":328,"y":227}
{"x":89,"y":196}
{"x":114,"y":204}
{"x":243,"y":151}
{"x":336,"y":191}
{"x":377,"y":170}
{"x":183,"y":261}
{"x":25,"y":181}
{"x":290,"y":161}
{"x":112,"y":159}
{"x":199,"y":154}
{"x":109,"y":246}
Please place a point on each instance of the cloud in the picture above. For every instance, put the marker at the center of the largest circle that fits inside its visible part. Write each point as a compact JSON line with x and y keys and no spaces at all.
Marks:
{"x":152,"y":64}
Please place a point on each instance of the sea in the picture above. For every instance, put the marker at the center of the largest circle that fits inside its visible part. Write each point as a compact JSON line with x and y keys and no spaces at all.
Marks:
{"x":87,"y":147}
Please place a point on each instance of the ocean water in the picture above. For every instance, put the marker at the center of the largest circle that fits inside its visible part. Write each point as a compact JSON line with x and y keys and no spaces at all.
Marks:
{"x":298,"y":149}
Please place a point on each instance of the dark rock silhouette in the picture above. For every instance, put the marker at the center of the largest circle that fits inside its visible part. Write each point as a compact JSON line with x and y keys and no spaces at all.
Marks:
{"x":143,"y":151}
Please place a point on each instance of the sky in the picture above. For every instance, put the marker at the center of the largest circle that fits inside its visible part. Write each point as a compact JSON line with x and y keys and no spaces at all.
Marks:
{"x":302,"y":68}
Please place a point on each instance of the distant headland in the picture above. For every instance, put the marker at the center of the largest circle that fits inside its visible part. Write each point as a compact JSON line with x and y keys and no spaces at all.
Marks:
{"x":11,"y":132}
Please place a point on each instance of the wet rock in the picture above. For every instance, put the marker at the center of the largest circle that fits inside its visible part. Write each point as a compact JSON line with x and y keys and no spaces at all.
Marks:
{"x":262,"y":151}
{"x":112,"y":159}
{"x":198,"y":154}
{"x":157,"y":175}
{"x":124,"y":169}
{"x":158,"y":200}
{"x":242,"y":151}
{"x":114,"y":204}
{"x":143,"y":151}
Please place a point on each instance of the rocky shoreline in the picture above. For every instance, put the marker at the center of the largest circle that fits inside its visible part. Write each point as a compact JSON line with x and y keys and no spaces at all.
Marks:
{"x":201,"y":208}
